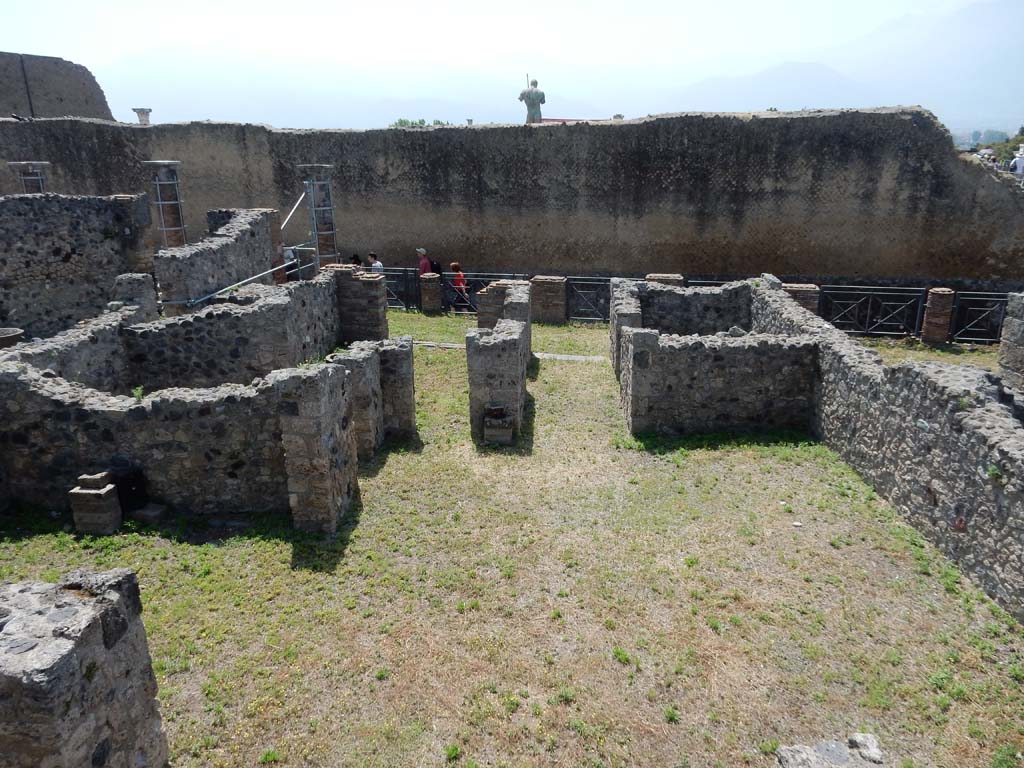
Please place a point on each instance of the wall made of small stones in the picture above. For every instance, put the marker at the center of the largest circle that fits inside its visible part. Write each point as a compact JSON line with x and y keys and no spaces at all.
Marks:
{"x":241,"y":244}
{"x":90,"y":353}
{"x":76,"y":678}
{"x":263,"y":328}
{"x":693,"y":384}
{"x":398,"y":386}
{"x":59,"y":256}
{"x":943,"y":443}
{"x":497,"y":360}
{"x":202,"y":450}
{"x":1011,"y":342}
{"x":684,"y":311}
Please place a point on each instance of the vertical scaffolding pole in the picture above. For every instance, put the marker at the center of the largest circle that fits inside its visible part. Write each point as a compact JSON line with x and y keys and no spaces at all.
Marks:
{"x":320,"y":204}
{"x":32,"y":174}
{"x":167,"y":197}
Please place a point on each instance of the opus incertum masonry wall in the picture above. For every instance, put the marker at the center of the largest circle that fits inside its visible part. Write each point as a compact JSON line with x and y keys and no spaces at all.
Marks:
{"x":943,"y":443}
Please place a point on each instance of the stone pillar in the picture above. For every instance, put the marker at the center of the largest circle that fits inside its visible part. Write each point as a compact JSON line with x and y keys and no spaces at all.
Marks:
{"x":548,"y":299}
{"x":143,"y":114}
{"x":398,"y":387}
{"x":489,"y":302}
{"x":430,"y":292}
{"x":95,"y":505}
{"x":362,"y":361}
{"x":315,"y":414}
{"x":1011,"y":343}
{"x":665,"y":278}
{"x":804,"y":294}
{"x":938,"y":314}
{"x":76,"y":678}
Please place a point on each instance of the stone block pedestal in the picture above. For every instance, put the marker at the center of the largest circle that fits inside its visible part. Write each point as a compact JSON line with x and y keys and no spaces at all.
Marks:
{"x":548,"y":299}
{"x":95,"y":505}
{"x":430,"y":292}
{"x":938,"y":314}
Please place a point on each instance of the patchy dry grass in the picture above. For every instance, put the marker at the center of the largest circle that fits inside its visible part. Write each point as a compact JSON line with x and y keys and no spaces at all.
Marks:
{"x":897,"y":350}
{"x":585,"y":599}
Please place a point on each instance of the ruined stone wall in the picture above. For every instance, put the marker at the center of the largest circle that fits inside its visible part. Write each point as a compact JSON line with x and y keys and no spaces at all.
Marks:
{"x":241,"y":243}
{"x":875,"y":193}
{"x":1011,"y":342}
{"x":497,"y":360}
{"x":45,"y":86}
{"x":76,"y":678}
{"x":943,"y":443}
{"x":271,"y":328}
{"x":693,"y":384}
{"x":59,"y":256}
{"x":684,"y":311}
{"x":91,"y":353}
{"x":362,"y":303}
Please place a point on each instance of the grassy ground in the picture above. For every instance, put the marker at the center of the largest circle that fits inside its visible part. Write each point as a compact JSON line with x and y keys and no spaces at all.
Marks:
{"x":898,"y":350}
{"x":570,"y":338}
{"x":586,"y":599}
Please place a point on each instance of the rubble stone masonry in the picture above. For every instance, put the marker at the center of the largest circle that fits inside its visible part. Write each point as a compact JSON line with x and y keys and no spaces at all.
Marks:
{"x":59,"y":256}
{"x":76,"y":680}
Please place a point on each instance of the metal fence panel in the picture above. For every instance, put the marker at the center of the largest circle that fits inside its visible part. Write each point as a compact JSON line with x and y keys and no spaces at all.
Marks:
{"x":403,"y":287}
{"x":978,"y":317}
{"x":588,"y":298}
{"x":874,"y":310}
{"x":464,"y":302}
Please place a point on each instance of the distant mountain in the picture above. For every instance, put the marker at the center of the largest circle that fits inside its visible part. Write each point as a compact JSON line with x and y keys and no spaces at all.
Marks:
{"x":965,"y":66}
{"x":787,"y":86}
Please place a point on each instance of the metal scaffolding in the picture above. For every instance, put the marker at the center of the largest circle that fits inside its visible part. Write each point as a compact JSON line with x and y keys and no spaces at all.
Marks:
{"x":320,"y":204}
{"x":32,"y":174}
{"x":167,"y":197}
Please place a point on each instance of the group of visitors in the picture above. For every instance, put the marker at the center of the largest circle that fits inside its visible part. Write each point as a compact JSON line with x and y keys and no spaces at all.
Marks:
{"x":426,"y":264}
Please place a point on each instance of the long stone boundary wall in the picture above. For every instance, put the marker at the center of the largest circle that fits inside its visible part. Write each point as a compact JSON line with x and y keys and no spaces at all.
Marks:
{"x":943,"y":443}
{"x":498,"y":355}
{"x":59,"y":256}
{"x":242,"y":243}
{"x":76,"y":678}
{"x":869,"y":193}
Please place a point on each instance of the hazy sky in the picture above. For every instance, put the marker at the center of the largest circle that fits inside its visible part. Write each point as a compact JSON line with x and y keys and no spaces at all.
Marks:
{"x":315,"y":64}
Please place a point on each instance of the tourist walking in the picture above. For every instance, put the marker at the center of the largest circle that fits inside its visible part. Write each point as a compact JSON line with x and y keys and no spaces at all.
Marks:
{"x":375,"y":264}
{"x":424,"y":262}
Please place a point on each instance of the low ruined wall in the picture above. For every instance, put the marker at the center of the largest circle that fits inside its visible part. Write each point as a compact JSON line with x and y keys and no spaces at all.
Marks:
{"x":398,"y":386}
{"x":275,"y":327}
{"x":76,"y":678}
{"x":871,"y":193}
{"x":91,"y":353}
{"x":943,"y":443}
{"x":1011,"y":342}
{"x":362,"y":303}
{"x":219,"y":450}
{"x":684,"y":311}
{"x":242,"y":243}
{"x":688,"y":384}
{"x":45,"y":86}
{"x":59,"y":256}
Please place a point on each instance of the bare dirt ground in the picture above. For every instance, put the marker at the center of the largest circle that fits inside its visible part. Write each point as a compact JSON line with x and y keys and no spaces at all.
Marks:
{"x":586,"y":599}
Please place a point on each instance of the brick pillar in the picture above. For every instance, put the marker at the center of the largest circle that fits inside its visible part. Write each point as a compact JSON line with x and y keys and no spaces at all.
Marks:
{"x":666,"y":278}
{"x":804,"y":294}
{"x":548,"y":299}
{"x":430,"y":292}
{"x":938,"y":314}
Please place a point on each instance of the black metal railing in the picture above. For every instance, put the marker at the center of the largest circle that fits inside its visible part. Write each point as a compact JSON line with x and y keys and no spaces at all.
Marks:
{"x":588,"y":298}
{"x":977,"y":317}
{"x":463,"y":300}
{"x":865,"y":310}
{"x":868,"y":310}
{"x":403,"y":287}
